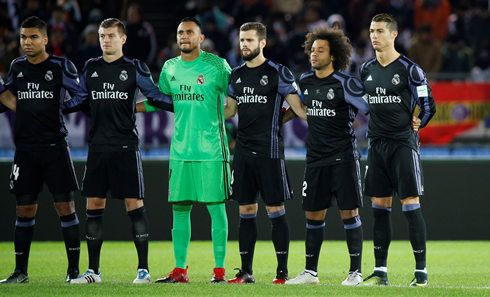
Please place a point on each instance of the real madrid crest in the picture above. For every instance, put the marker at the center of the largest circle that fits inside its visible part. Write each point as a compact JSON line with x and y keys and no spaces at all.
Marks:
{"x":396,"y":79}
{"x":49,"y":75}
{"x":124,"y":75}
{"x":264,"y":80}
{"x":200,"y":79}
{"x":330,"y":94}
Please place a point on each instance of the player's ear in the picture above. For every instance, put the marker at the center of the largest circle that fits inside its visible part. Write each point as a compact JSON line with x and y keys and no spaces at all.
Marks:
{"x":45,"y":40}
{"x":124,"y":38}
{"x":394,"y":34}
{"x":263,"y":43}
{"x":201,"y":38}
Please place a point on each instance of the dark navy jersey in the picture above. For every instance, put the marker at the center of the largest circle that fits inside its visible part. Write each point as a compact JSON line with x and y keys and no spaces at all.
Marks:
{"x":260,"y":93}
{"x":393,"y":92}
{"x":331,"y":107}
{"x":41,"y":90}
{"x":111,"y":90}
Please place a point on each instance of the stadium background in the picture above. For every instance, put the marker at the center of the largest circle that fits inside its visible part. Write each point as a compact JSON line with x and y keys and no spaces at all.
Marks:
{"x":449,"y":39}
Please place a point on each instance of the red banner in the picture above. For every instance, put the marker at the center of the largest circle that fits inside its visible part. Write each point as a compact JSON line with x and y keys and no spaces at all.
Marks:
{"x":460,"y":106}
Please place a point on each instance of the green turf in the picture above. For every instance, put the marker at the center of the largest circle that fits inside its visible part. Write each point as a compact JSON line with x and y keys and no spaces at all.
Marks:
{"x":455,"y":268}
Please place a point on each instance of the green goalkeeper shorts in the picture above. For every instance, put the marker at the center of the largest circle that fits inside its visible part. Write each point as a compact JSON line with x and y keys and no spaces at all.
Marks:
{"x":206,"y":181}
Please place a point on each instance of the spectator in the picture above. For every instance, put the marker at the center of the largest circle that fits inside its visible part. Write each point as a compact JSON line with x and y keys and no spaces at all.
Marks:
{"x":221,"y":43}
{"x":425,"y":51}
{"x":456,"y":56}
{"x":434,"y":13}
{"x":34,"y":8}
{"x":89,"y":48}
{"x":141,"y":43}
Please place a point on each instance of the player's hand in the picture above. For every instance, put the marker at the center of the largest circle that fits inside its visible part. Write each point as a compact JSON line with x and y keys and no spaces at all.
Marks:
{"x":416,"y":123}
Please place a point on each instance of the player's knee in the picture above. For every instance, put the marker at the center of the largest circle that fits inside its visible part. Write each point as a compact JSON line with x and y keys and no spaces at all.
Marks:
{"x":347,"y":214}
{"x":410,"y":200}
{"x":277,"y":214}
{"x":65,"y":208}
{"x":133,"y":203}
{"x":383,"y":202}
{"x":26,"y":211}
{"x":275,"y":207}
{"x":182,"y":206}
{"x":249,"y":208}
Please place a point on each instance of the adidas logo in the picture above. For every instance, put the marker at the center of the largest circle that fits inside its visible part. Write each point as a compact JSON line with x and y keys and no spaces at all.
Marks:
{"x":306,"y":92}
{"x":369,"y":78}
{"x":173,"y":78}
{"x":20,"y":75}
{"x":238,"y":81}
{"x":94,"y":74}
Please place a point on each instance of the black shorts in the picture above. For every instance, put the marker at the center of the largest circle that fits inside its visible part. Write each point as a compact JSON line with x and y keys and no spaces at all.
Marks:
{"x":52,"y":166}
{"x":393,"y":169}
{"x":334,"y":184}
{"x":119,"y":172}
{"x":252,"y":176}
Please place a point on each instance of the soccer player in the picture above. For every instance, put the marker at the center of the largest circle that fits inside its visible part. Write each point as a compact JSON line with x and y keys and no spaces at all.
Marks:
{"x":395,"y":85}
{"x":332,"y":173}
{"x":37,"y":86}
{"x":109,"y":85}
{"x":257,"y":90}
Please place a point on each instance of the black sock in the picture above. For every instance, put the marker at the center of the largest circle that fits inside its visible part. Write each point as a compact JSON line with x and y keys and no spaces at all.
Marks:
{"x":247,"y":236}
{"x":417,"y":233}
{"x":313,"y":243}
{"x":280,"y":238}
{"x":382,"y":233}
{"x":94,"y":227}
{"x":354,"y":236}
{"x":141,"y":232}
{"x":71,"y":235}
{"x":24,"y":230}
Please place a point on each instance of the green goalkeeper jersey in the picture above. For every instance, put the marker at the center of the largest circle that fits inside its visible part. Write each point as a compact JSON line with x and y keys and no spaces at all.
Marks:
{"x":197,"y":89}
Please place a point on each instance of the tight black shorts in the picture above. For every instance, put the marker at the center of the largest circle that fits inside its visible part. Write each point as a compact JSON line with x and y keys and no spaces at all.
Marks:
{"x":333,"y":184}
{"x":252,"y":177}
{"x":53,"y":166}
{"x":119,"y":172}
{"x":393,"y":169}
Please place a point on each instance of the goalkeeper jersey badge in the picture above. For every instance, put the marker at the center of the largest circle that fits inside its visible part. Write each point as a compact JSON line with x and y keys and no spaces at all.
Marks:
{"x":200,"y":79}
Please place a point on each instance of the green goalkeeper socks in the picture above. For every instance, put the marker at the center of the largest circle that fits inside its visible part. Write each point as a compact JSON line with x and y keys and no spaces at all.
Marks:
{"x":181,"y":233}
{"x":219,"y":227}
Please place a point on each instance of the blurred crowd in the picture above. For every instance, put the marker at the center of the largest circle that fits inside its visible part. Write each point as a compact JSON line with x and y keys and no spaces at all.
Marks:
{"x":449,"y":39}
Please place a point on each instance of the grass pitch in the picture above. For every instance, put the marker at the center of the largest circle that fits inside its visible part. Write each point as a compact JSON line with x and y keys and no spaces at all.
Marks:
{"x":455,"y":268}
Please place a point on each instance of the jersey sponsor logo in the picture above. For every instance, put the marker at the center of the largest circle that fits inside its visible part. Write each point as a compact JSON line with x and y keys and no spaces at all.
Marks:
{"x":249,"y":97}
{"x":306,"y":92}
{"x":330,"y":94}
{"x":124,"y":75}
{"x":186,"y":95}
{"x":173,"y":78}
{"x":33,"y":92}
{"x":264,"y":80}
{"x":381,"y":97}
{"x":317,"y":110}
{"x":94,"y":74}
{"x":370,"y":78}
{"x":200,"y":79}
{"x":49,"y":75}
{"x":396,"y":79}
{"x":238,"y":81}
{"x":109,"y":93}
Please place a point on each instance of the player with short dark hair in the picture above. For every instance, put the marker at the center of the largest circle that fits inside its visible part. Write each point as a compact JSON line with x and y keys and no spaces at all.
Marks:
{"x":332,"y":175}
{"x":199,"y":156}
{"x":257,"y":90}
{"x":395,"y":86}
{"x":37,"y":86}
{"x":109,"y":85}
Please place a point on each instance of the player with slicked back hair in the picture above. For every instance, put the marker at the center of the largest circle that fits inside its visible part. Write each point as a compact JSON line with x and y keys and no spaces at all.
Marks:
{"x":395,"y":85}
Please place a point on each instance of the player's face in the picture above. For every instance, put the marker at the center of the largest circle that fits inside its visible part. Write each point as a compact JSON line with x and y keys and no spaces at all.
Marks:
{"x":32,"y":41}
{"x":381,"y":37}
{"x":111,"y":42}
{"x":189,"y":37}
{"x":250,"y":47}
{"x":320,"y":57}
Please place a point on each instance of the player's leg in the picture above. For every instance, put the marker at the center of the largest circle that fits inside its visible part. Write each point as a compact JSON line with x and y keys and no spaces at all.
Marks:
{"x":316,"y":200}
{"x":378,"y":185}
{"x":274,"y":187}
{"x":65,"y":207}
{"x":347,"y":190}
{"x":219,"y":230}
{"x":409,"y":173}
{"x":59,"y":176}
{"x":141,"y":231}
{"x":182,"y":193}
{"x":26,"y":182}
